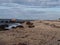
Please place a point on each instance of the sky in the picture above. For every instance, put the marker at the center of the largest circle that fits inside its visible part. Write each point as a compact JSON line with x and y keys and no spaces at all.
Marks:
{"x":30,"y":9}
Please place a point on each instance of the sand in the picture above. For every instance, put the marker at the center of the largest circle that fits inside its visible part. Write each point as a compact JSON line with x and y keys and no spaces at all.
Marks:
{"x":42,"y":34}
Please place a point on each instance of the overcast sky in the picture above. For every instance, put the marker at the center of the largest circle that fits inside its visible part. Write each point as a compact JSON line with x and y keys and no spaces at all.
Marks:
{"x":30,"y":9}
{"x":41,"y":3}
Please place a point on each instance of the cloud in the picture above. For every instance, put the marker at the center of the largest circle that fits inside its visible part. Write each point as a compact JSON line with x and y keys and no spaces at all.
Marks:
{"x":41,"y":3}
{"x":13,"y":10}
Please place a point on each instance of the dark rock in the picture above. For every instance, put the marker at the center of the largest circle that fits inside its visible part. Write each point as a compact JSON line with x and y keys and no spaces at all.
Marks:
{"x":22,"y":44}
{"x":31,"y":26}
{"x":21,"y":26}
{"x":58,"y":40}
{"x":29,"y":23}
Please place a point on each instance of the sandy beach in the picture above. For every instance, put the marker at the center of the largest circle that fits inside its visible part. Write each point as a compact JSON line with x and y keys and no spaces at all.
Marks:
{"x":44,"y":32}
